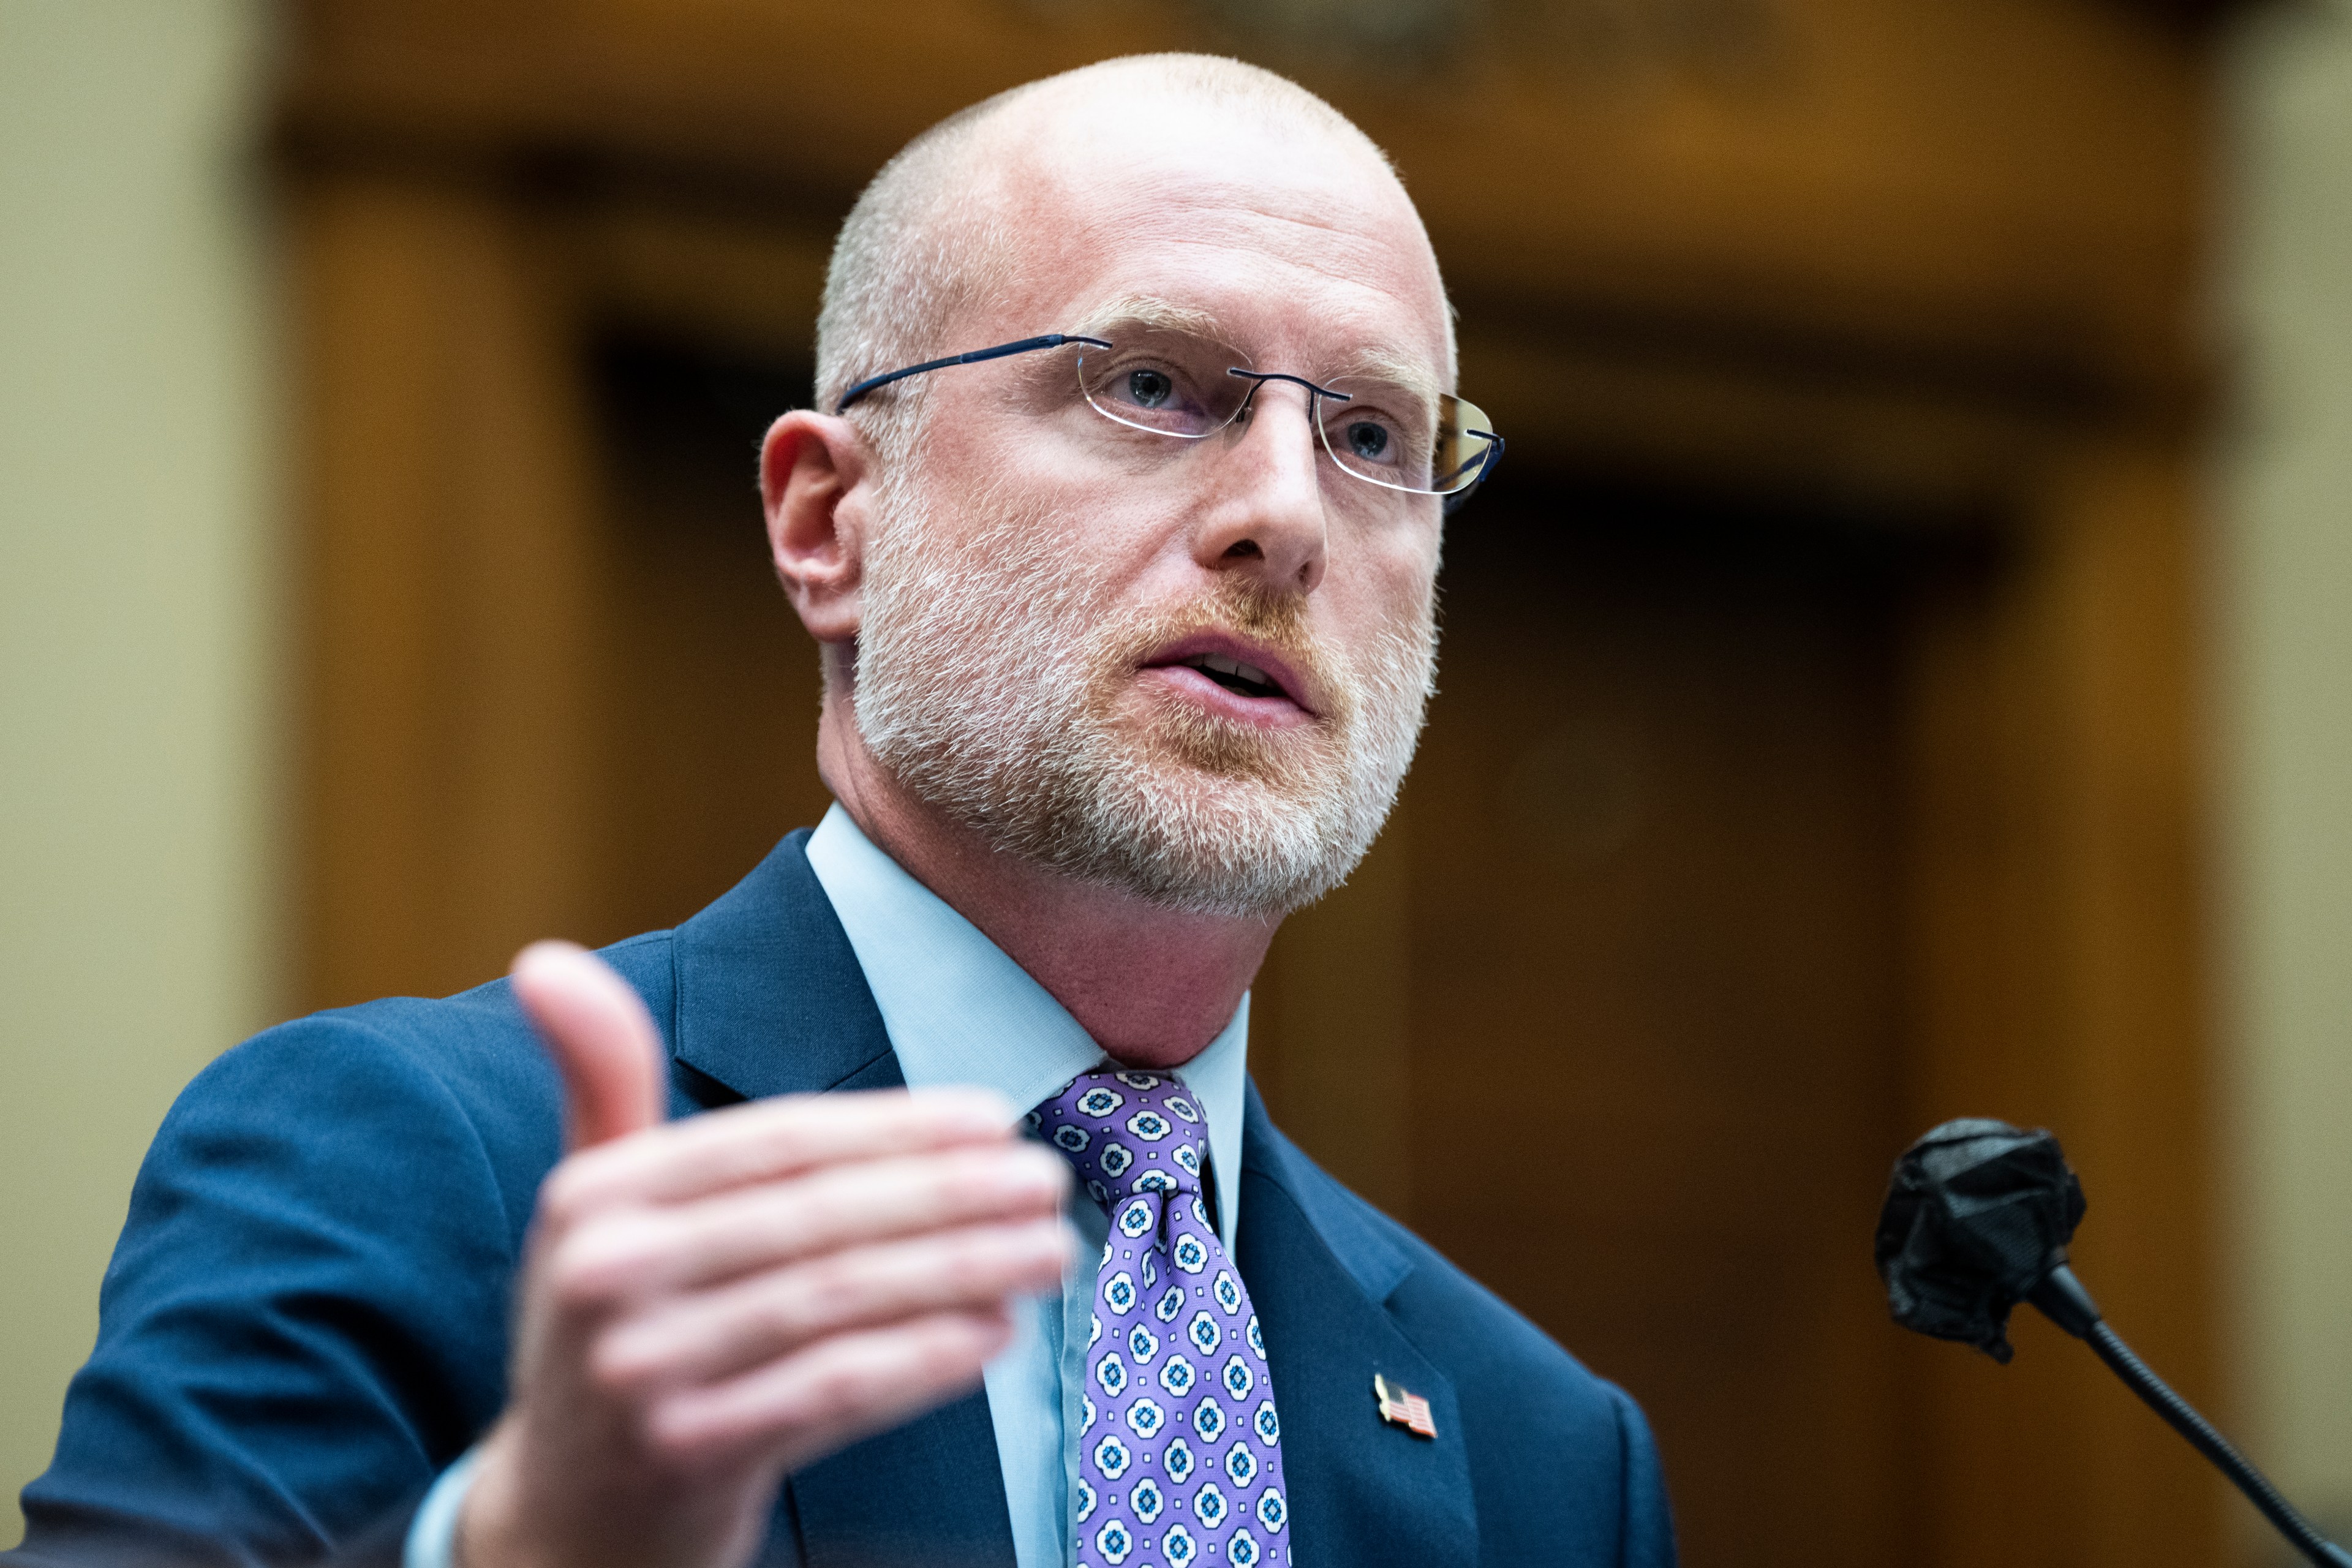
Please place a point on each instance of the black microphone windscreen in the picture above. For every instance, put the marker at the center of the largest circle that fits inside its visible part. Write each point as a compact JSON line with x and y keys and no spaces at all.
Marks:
{"x":1977,"y":1215}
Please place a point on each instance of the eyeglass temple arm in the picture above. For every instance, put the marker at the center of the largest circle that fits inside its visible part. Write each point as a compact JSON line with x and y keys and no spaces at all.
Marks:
{"x":1487,"y":460}
{"x":1050,"y":341}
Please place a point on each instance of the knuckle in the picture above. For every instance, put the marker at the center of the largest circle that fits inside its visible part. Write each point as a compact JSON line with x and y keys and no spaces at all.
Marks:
{"x":950,"y":1350}
{"x":610,"y":1374}
{"x":574,"y":1282}
{"x":564,"y":1197}
{"x":837,"y":1392}
{"x":678,"y":1447}
{"x":967,"y":1265}
{"x":821,"y":1283}
{"x":667,"y":1433}
{"x":830,"y":1288}
{"x":785,"y":1318}
{"x":816,"y":1210}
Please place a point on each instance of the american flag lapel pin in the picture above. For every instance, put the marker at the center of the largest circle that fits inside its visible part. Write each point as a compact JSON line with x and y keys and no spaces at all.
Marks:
{"x":1398,"y":1408}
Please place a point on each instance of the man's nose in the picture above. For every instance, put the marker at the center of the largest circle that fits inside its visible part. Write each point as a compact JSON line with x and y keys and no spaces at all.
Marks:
{"x":1266,"y":515}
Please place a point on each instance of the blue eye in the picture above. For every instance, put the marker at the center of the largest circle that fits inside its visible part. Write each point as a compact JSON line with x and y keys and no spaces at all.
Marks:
{"x":1366,"y":440}
{"x":1150,"y":388}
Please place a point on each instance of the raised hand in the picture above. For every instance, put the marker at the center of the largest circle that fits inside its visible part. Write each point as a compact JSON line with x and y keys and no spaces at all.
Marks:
{"x":709,"y":1303}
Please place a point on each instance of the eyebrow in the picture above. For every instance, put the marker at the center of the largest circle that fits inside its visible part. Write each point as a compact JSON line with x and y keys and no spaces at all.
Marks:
{"x":1154,"y":312}
{"x":1399,"y":369}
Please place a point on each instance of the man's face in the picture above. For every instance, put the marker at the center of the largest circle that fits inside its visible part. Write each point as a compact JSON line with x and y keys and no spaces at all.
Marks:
{"x":1191,"y":669}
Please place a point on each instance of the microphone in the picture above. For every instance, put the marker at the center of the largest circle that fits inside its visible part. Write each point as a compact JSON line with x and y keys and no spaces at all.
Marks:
{"x":1977,"y":1217}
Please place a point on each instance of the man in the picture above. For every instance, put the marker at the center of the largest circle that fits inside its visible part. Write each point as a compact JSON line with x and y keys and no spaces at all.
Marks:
{"x":1127,"y":631}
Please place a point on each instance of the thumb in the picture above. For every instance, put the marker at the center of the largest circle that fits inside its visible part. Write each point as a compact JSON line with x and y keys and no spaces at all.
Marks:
{"x":601,"y":1039}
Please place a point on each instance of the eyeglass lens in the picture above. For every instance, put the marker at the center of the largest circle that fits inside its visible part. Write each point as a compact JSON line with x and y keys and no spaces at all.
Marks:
{"x":1172,"y":383}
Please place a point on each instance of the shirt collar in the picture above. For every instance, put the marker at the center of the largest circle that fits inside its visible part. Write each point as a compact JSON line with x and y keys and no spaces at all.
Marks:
{"x":959,"y":1011}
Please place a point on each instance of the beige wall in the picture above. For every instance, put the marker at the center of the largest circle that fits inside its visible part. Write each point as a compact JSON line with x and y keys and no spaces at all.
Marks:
{"x":135,"y":615}
{"x":2285,"y":683}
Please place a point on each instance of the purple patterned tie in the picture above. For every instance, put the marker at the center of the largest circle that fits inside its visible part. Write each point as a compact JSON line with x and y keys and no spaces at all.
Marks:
{"x":1180,"y":1451}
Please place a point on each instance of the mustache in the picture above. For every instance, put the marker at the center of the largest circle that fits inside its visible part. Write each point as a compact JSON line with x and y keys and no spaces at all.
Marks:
{"x":1247,"y":610}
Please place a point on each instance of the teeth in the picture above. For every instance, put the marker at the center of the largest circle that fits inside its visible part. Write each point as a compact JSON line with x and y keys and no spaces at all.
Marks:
{"x":1232,"y":667}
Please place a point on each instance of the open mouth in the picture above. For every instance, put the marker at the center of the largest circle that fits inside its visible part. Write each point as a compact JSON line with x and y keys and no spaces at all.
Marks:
{"x":1246,"y":679}
{"x":1270,"y":691}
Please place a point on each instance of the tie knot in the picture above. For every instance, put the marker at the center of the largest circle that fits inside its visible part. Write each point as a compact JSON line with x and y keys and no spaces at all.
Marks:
{"x":1126,"y":1132}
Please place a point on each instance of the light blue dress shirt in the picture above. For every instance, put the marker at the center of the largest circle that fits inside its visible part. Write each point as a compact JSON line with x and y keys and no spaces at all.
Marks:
{"x":958,"y":1011}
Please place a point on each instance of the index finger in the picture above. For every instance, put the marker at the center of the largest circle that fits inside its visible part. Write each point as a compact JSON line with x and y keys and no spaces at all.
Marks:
{"x":770,"y":1139}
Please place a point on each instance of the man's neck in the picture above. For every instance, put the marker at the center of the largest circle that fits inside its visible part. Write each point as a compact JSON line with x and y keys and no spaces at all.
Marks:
{"x":1153,"y":987}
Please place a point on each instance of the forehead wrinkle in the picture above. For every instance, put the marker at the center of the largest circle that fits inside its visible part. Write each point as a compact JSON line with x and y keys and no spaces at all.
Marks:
{"x":1371,"y":222}
{"x":1386,"y":360}
{"x":1340,"y":250}
{"x":1371,"y":249}
{"x":1150,"y":309}
{"x":1323,"y":262}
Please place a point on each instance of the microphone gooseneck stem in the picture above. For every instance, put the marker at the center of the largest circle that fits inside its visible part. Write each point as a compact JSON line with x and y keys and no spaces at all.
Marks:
{"x":2183,"y":1418}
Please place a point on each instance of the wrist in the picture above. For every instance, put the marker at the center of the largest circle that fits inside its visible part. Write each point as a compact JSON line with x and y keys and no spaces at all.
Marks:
{"x":482,"y":1521}
{"x":515,"y":1512}
{"x":432,"y":1534}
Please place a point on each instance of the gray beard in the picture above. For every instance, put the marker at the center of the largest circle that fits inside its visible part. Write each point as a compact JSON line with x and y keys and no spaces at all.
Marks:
{"x":988,"y":681}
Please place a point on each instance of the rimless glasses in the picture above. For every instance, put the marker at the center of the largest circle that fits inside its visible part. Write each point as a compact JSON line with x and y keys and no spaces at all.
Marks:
{"x":1179,"y":384}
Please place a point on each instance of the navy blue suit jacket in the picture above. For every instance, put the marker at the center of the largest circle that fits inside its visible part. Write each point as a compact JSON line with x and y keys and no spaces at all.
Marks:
{"x":307,"y":1315}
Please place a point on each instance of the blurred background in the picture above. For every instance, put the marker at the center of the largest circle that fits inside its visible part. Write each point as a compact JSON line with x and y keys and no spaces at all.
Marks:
{"x":1903,"y":671}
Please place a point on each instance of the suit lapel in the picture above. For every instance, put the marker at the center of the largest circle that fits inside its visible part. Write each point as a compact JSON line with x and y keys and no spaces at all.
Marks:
{"x":771,"y":1000}
{"x":1360,"y":1491}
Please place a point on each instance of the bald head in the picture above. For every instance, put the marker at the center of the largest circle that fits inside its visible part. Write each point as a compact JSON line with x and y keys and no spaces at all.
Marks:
{"x":998,"y":208}
{"x":1186,"y":671}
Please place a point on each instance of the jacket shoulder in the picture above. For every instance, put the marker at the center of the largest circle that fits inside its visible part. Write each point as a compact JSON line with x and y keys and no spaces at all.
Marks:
{"x":470,"y":1060}
{"x":304,"y":1318}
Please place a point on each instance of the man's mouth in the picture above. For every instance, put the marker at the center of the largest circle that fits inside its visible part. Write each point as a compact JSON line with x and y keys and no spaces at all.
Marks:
{"x":1247,"y":679}
{"x":1265,"y":688}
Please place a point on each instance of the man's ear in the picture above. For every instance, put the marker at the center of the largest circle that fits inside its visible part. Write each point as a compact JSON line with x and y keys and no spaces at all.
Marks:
{"x":812,"y":468}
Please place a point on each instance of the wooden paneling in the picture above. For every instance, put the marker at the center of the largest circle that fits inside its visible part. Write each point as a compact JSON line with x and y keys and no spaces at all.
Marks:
{"x":537,"y":624}
{"x":708,"y":729}
{"x":2060,"y":982}
{"x":1988,"y":184}
{"x":1332,"y":1030}
{"x":1657,"y":1028}
{"x":449,"y":591}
